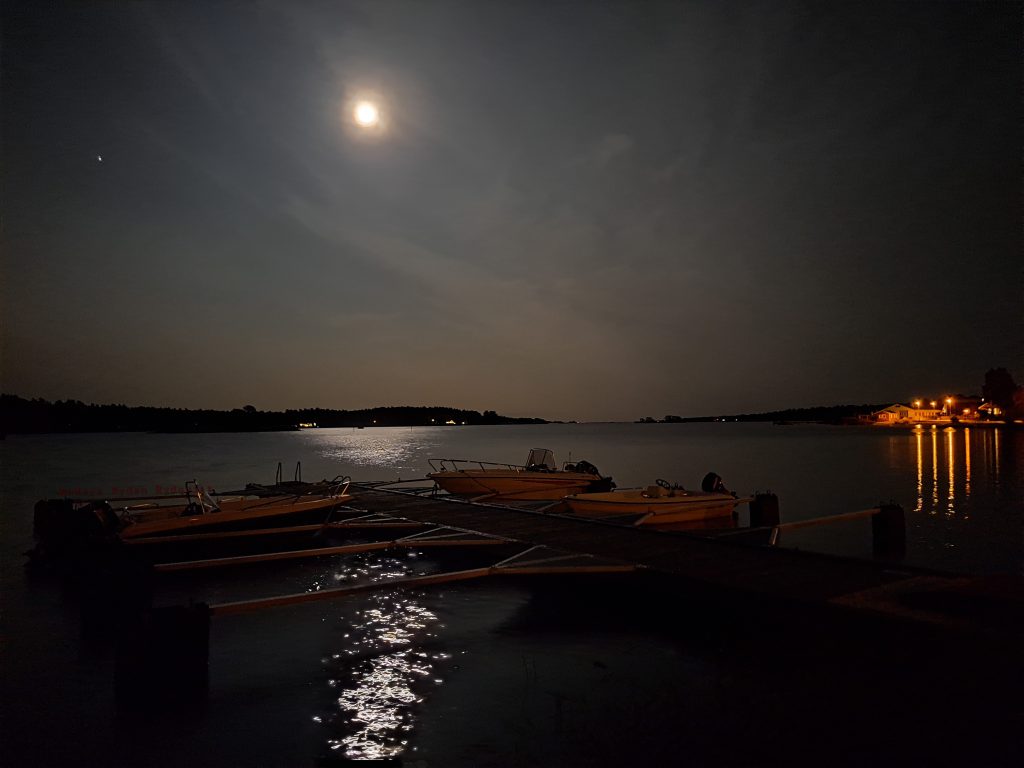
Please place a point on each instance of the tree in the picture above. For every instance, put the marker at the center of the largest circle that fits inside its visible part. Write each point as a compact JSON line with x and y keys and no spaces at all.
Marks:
{"x":999,"y":388}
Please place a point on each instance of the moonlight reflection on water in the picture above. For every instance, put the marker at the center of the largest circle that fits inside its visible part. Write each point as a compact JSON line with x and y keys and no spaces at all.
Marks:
{"x":391,"y":451}
{"x":381,"y":671}
{"x":381,"y":675}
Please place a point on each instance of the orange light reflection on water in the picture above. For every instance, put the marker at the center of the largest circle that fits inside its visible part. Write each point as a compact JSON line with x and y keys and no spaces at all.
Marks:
{"x":967,"y":462}
{"x":950,"y":496}
{"x":996,"y":458}
{"x":958,"y":471}
{"x":919,"y":438}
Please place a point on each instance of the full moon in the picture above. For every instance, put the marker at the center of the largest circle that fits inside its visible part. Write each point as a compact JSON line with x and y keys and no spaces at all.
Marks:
{"x":366,"y":114}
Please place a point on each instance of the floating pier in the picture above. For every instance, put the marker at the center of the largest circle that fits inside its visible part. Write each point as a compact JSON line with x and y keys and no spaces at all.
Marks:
{"x":873,"y":600}
{"x":712,"y":561}
{"x":881,"y":587}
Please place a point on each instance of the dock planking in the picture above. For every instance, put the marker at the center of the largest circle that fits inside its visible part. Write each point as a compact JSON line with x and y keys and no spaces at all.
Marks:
{"x":879,"y":588}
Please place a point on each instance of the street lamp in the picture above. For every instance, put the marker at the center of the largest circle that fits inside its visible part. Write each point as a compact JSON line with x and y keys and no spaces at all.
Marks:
{"x":917,"y":404}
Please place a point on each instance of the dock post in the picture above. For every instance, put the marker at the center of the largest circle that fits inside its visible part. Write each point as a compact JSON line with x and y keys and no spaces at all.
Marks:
{"x":164,"y":662}
{"x":115,"y":586}
{"x":889,"y":532}
{"x":764,"y":510}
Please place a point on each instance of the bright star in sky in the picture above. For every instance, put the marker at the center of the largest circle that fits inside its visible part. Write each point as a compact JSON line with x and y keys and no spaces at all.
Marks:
{"x":99,"y":158}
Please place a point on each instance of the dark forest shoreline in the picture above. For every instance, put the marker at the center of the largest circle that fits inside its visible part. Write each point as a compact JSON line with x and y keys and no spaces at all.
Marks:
{"x":19,"y":415}
{"x":822,"y":414}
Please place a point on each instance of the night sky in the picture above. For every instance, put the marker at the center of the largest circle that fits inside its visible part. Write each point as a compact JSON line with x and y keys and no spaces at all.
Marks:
{"x":567,"y":210}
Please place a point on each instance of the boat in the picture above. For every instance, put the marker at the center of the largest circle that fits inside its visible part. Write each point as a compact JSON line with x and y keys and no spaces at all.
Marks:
{"x":539,"y":478}
{"x":657,"y":505}
{"x":230,"y":512}
{"x":62,"y":525}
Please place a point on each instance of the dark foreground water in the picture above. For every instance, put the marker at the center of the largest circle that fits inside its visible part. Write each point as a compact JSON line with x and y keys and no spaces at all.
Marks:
{"x":512,"y":672}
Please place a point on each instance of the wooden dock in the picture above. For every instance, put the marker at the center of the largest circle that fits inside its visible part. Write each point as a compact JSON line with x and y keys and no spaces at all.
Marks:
{"x":903,"y":626}
{"x":732,"y":566}
{"x":992,"y":607}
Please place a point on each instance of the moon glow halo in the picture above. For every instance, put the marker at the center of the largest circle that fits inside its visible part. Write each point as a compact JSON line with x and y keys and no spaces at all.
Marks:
{"x":366,"y":114}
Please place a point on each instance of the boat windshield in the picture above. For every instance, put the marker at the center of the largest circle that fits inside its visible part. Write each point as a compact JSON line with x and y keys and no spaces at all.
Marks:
{"x":209,"y":505}
{"x":541,"y":458}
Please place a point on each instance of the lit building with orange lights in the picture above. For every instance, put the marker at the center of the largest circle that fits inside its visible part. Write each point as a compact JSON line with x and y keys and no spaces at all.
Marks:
{"x":944,"y":408}
{"x":897,"y":413}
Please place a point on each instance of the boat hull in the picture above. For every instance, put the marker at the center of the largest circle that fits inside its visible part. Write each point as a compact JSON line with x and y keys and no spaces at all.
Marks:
{"x":689,"y":506}
{"x":526,"y":485}
{"x":234,"y":515}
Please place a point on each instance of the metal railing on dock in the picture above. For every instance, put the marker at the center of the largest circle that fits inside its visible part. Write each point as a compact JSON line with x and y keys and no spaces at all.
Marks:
{"x":524,"y":563}
{"x":434,"y":538}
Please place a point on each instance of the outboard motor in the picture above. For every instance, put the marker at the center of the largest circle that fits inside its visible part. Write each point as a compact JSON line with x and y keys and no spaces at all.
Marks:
{"x":60,"y":524}
{"x":601,"y":485}
{"x":712,"y":483}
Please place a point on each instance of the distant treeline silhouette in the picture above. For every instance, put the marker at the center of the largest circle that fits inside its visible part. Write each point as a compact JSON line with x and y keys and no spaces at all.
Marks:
{"x":821,"y":413}
{"x":998,"y":388}
{"x":19,"y":415}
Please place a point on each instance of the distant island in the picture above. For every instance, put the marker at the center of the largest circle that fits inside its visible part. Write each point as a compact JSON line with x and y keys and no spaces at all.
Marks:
{"x":19,"y":415}
{"x":828,"y":414}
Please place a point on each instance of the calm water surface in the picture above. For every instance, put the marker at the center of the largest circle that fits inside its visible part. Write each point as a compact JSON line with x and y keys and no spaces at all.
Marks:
{"x":466,"y":675}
